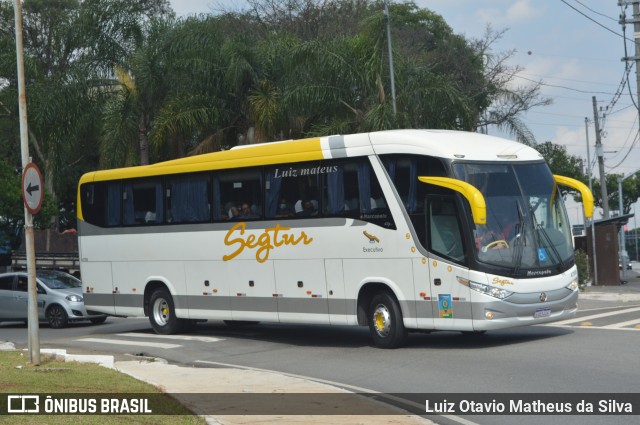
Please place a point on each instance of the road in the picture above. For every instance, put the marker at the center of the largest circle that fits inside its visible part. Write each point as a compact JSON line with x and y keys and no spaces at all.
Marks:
{"x":597,"y":352}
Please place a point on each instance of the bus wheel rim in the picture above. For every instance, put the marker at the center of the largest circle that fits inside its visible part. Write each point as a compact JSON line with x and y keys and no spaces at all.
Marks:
{"x":382,"y":321}
{"x":161,"y":312}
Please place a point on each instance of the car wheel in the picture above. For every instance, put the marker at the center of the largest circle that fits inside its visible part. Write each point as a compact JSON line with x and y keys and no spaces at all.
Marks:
{"x":385,"y":321}
{"x":98,"y":320}
{"x":163,"y":314}
{"x":57,"y":317}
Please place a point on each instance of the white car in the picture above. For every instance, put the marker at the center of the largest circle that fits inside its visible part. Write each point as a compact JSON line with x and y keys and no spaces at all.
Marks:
{"x":59,"y":298}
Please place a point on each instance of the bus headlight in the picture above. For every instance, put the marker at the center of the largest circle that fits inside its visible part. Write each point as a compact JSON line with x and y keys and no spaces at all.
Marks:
{"x":486,"y":289}
{"x":573,"y":285}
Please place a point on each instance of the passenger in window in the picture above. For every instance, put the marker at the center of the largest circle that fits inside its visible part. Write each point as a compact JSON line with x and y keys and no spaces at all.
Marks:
{"x":233,"y":211}
{"x":246,"y":213}
{"x":150,"y":217}
{"x":284,"y":209}
{"x":305,"y":208}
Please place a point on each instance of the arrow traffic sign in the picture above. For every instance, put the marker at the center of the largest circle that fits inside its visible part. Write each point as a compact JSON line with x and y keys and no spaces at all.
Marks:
{"x":32,"y":193}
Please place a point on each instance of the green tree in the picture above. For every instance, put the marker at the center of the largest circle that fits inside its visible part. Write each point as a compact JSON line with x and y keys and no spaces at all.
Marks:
{"x":69,"y":48}
{"x":562,"y":163}
{"x":433,"y":67}
{"x":630,"y":192}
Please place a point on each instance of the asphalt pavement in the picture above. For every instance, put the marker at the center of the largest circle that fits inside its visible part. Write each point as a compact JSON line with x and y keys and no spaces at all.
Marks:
{"x":196,"y":386}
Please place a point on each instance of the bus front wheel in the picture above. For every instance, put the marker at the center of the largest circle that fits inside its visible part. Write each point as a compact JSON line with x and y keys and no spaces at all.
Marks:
{"x":163,"y":313}
{"x":385,"y":321}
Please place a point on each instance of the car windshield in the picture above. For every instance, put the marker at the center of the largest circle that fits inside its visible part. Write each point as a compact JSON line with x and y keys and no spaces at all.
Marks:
{"x":59,"y":280}
{"x":527,"y":227}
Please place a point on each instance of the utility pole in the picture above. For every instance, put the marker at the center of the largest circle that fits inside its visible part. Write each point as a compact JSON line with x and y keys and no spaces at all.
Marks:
{"x":593,"y":226}
{"x":32,"y":294}
{"x":636,"y":34}
{"x":391,"y":72}
{"x":600,"y":154}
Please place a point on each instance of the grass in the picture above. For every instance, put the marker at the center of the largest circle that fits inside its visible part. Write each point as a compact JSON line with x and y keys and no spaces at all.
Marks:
{"x":57,"y":377}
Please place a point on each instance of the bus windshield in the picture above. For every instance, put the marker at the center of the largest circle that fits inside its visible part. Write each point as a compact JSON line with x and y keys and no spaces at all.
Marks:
{"x":527,"y":228}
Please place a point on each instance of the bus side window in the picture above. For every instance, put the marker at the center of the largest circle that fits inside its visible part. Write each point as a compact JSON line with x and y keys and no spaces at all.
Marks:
{"x":143,"y":202}
{"x":445,"y":236}
{"x":238,"y":194}
{"x":188,"y":199}
{"x":292,"y":190}
{"x":101,"y":203}
{"x":353,"y":190}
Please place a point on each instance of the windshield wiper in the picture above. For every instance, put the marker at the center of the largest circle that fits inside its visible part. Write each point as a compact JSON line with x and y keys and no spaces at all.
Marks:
{"x":521,"y":231}
{"x":538,"y":226}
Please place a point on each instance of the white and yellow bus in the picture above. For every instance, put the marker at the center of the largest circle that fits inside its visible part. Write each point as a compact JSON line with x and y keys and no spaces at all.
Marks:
{"x":396,"y":230}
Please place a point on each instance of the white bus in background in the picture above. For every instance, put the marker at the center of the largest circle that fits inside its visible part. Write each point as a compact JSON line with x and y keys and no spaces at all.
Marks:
{"x":397,"y":230}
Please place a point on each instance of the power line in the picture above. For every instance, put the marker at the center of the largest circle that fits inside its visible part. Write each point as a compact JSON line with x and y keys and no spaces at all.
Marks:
{"x":593,"y":20}
{"x":594,"y":11}
{"x":635,"y":141}
{"x":569,"y":79}
{"x":564,"y":87}
{"x":628,"y":85}
{"x":627,"y":141}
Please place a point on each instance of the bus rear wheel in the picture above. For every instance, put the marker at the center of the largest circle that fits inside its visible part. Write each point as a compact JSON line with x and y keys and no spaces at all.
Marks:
{"x":385,"y":321}
{"x":162,"y":315}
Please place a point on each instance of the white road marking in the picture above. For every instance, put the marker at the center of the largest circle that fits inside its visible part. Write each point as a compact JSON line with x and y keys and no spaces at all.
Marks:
{"x":173,"y":337}
{"x":594,"y":316}
{"x":599,"y":327}
{"x":134,"y":343}
{"x":622,"y":324}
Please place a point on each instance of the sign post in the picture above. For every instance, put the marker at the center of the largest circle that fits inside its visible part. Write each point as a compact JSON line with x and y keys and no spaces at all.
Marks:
{"x":32,"y":193}
{"x":32,"y":197}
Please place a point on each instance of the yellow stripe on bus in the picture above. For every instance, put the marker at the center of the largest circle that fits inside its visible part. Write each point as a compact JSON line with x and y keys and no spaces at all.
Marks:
{"x":250,"y":156}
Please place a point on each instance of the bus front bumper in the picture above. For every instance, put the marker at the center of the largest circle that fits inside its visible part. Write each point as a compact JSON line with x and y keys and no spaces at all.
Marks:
{"x":500,"y":314}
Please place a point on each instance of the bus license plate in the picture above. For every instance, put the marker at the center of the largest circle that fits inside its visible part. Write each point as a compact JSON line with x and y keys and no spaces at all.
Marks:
{"x":542,"y":312}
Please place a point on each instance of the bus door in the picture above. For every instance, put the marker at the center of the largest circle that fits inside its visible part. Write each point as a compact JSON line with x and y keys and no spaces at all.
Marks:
{"x":451,"y":300}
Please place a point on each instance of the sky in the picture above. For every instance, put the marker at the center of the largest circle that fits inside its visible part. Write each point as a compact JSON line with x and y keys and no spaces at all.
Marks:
{"x":575,"y":47}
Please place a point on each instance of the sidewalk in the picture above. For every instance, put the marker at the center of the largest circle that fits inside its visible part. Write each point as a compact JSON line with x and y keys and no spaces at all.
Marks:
{"x":197,"y":387}
{"x":628,"y":292}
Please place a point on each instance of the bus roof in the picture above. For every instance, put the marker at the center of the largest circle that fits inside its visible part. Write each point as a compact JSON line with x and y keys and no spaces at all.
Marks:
{"x":438,"y":143}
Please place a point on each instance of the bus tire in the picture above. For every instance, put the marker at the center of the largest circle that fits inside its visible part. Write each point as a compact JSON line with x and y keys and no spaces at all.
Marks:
{"x":162,"y":314}
{"x":385,"y":321}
